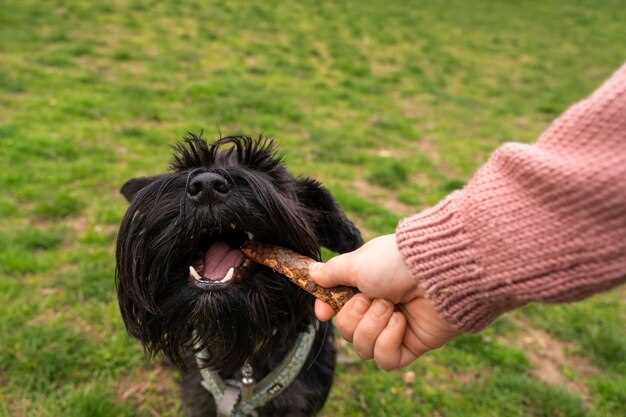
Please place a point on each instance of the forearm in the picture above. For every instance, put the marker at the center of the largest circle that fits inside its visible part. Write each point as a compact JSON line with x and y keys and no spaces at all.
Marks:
{"x":543,"y":222}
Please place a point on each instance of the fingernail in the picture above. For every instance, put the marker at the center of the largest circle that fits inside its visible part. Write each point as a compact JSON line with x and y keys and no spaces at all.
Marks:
{"x":360,"y":305}
{"x":380,"y":307}
{"x":395,"y":320}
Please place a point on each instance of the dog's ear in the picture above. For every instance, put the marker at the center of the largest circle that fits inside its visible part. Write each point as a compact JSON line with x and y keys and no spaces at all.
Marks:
{"x":134,"y":185}
{"x":333,"y":228}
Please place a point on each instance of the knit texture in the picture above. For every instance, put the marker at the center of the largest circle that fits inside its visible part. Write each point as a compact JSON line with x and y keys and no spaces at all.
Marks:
{"x":543,"y":222}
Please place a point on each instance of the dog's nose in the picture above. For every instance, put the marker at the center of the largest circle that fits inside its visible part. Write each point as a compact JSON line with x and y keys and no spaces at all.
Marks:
{"x":208,"y":186}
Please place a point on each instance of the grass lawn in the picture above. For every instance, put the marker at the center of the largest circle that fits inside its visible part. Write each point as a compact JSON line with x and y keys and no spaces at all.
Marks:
{"x":391,"y":104}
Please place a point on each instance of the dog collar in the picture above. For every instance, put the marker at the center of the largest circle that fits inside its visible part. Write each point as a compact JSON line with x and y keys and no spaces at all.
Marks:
{"x":241,"y":398}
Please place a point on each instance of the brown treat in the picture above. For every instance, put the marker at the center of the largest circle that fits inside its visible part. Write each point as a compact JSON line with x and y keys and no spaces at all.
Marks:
{"x":296,"y":267}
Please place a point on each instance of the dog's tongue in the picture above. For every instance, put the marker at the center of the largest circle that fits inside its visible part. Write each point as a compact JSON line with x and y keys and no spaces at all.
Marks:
{"x":219,"y":258}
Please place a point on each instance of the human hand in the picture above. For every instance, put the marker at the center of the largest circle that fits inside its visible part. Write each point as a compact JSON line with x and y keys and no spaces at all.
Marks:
{"x":391,"y":320}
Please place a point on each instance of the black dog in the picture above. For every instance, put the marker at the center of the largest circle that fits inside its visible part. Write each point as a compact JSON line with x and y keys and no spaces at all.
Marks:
{"x":184,"y":286}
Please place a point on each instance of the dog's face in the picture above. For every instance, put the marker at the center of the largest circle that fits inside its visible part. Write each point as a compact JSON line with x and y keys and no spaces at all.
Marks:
{"x":182,"y":280}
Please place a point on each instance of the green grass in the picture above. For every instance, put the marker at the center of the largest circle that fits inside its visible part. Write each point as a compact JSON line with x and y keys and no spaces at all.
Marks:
{"x":391,"y":104}
{"x":388,"y":173}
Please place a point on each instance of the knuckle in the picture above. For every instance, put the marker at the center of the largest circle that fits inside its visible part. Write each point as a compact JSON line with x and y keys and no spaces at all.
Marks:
{"x":358,"y":305}
{"x":364,"y":356}
{"x":417,"y":348}
{"x":345,"y":327}
{"x":386,"y":359}
{"x":369,"y":331}
{"x":385,"y":364}
{"x":342,"y":320}
{"x":363,"y":344}
{"x":363,"y":351}
{"x":422,"y":342}
{"x":347,"y":336}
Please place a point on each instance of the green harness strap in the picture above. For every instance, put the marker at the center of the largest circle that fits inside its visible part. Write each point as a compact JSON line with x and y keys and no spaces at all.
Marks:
{"x":228,"y":394}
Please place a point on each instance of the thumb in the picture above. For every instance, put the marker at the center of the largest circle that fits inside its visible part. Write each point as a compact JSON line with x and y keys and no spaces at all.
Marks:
{"x":340,"y":270}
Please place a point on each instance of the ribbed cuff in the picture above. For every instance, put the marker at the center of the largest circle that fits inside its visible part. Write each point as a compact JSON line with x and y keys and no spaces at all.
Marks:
{"x":438,"y":252}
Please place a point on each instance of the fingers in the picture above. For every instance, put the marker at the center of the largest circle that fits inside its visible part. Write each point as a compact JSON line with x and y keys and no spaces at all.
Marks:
{"x":400,"y":344}
{"x":370,"y":327}
{"x":415,"y":344}
{"x":379,"y":332}
{"x":426,"y":330}
{"x":389,"y":353}
{"x":340,"y":270}
{"x":323,"y":311}
{"x":337,"y":271}
{"x":351,"y":314}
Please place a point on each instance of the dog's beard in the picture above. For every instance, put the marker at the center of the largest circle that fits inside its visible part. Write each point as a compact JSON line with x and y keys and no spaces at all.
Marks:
{"x":262,"y":314}
{"x":162,"y":235}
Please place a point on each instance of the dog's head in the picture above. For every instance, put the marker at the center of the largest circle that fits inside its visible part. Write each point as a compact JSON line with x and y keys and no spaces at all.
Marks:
{"x":182,"y":281}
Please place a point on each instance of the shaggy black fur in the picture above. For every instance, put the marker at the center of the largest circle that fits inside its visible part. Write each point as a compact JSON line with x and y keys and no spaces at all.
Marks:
{"x":258,"y":317}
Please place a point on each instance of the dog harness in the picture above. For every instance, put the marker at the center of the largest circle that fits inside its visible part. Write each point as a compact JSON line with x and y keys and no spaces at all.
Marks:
{"x":241,"y":398}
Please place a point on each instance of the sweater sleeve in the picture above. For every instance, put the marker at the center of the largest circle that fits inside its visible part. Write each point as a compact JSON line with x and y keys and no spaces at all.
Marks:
{"x":543,"y":222}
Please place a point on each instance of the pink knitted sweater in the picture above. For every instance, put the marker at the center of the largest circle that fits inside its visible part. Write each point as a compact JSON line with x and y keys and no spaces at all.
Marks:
{"x":543,"y":222}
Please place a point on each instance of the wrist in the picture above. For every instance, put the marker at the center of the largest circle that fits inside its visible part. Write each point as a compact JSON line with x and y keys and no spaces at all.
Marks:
{"x":438,"y":253}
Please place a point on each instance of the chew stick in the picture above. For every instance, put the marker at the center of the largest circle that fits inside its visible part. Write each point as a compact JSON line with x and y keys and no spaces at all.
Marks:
{"x":296,"y":267}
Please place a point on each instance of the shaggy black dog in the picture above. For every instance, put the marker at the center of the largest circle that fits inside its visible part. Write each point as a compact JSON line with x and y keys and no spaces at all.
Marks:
{"x":183,"y":284}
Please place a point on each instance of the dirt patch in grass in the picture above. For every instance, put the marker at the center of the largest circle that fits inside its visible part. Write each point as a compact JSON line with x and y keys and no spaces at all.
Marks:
{"x":18,"y":408}
{"x":152,"y":388}
{"x":471,"y":377}
{"x":414,"y":108}
{"x":383,"y":68}
{"x":39,"y":221}
{"x":428,"y":146}
{"x":424,"y":180}
{"x":552,"y":361}
{"x":389,"y":152}
{"x":78,"y":224}
{"x":49,"y":291}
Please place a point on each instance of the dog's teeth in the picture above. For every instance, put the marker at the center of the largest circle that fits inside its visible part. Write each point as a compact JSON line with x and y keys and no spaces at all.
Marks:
{"x":250,"y":236}
{"x":194,"y":273}
{"x":228,"y":275}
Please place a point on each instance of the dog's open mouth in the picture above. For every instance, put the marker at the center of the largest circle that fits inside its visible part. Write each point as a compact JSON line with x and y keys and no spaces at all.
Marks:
{"x":222,"y":262}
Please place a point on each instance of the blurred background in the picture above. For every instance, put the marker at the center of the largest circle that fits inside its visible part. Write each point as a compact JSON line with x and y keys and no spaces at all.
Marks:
{"x":391,"y":104}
